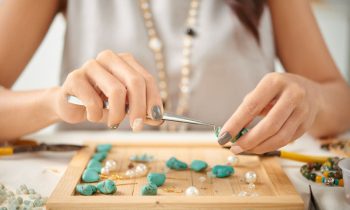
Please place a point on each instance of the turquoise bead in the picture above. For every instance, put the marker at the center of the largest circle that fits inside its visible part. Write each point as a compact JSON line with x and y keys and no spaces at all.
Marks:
{"x":85,"y":189}
{"x":106,"y":187}
{"x":176,"y":164}
{"x":90,"y":175}
{"x":104,"y":147}
{"x":99,"y":156}
{"x":95,"y":165}
{"x":221,"y":171}
{"x":149,"y":189}
{"x":198,"y":165}
{"x":156,"y":178}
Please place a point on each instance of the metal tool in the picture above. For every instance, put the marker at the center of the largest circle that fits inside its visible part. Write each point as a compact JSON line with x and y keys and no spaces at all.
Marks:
{"x":32,"y":146}
{"x":166,"y":116}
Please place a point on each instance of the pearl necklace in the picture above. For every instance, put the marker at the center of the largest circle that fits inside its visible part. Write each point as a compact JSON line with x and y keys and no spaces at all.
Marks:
{"x":156,"y":46}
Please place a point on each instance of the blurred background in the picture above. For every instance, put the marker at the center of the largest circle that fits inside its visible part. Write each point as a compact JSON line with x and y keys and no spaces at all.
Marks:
{"x":333,"y":17}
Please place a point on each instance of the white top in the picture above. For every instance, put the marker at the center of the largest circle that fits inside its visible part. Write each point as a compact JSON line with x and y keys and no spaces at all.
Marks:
{"x":227,"y":61}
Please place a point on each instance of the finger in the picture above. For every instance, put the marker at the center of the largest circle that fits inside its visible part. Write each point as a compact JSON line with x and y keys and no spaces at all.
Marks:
{"x":112,"y":88}
{"x":252,"y":106}
{"x":284,"y":136}
{"x":82,"y":89}
{"x":272,"y":123}
{"x":153,"y":100}
{"x":134,"y":83}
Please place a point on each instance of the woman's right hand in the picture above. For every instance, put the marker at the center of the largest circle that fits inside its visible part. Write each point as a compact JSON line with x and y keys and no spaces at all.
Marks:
{"x":118,"y":78}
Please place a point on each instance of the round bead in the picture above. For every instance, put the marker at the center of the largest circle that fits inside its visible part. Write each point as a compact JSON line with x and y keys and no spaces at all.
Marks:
{"x":250,"y":177}
{"x":130,"y":173}
{"x":232,"y":160}
{"x":111,"y":164}
{"x":191,"y":191}
{"x":141,"y":169}
{"x":202,"y":179}
{"x":155,"y":44}
{"x":105,"y":171}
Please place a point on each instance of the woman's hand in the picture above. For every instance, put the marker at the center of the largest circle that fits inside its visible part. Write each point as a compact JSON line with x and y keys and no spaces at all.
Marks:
{"x":118,"y":78}
{"x":289,"y":104}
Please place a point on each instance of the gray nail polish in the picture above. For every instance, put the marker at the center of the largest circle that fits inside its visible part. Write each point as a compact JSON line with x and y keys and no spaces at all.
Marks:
{"x":157,"y":113}
{"x":223,"y":139}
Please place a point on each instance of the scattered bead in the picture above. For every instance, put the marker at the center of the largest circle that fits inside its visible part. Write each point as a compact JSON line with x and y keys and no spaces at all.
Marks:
{"x":156,"y":178}
{"x":202,"y":179}
{"x":198,"y":165}
{"x":232,"y":160}
{"x":149,"y":189}
{"x":130,"y":173}
{"x":111,"y":164}
{"x":85,"y":189}
{"x":105,"y":171}
{"x":141,"y":169}
{"x":106,"y":187}
{"x":90,"y":175}
{"x":95,"y":165}
{"x":176,"y":164}
{"x":191,"y":191}
{"x":144,"y":158}
{"x":99,"y":156}
{"x":250,"y":177}
{"x":104,"y":147}
{"x":221,"y":171}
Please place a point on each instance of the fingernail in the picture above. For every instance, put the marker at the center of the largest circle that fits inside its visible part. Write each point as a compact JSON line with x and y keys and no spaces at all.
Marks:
{"x":157,"y":113}
{"x":236,"y":149}
{"x":224,"y":138}
{"x":114,"y":126}
{"x":137,"y":125}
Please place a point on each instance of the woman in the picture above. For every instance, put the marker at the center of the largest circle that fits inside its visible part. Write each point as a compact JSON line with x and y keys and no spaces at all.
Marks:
{"x":223,"y":64}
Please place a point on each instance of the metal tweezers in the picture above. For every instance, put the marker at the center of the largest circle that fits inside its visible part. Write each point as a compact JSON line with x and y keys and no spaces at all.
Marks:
{"x":166,"y":116}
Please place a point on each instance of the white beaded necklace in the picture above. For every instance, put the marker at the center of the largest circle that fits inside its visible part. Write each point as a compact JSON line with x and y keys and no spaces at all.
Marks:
{"x":156,"y":46}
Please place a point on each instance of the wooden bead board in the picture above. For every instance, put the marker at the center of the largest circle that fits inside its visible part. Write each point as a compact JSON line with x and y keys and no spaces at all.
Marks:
{"x":274,"y":189}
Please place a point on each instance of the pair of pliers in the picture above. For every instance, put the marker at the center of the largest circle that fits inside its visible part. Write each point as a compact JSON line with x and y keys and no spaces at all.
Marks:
{"x":23,"y":146}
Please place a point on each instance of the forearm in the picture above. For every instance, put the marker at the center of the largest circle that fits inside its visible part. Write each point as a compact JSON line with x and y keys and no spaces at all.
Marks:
{"x":334,"y":113}
{"x":25,"y":112}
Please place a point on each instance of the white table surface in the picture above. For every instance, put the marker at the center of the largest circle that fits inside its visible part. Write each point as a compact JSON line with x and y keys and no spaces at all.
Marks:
{"x":42,"y":171}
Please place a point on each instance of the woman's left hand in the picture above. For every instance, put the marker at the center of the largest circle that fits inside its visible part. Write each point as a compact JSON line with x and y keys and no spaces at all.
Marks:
{"x":289,"y":104}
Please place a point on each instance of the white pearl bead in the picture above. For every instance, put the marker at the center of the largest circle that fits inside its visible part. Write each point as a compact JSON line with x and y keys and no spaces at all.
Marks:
{"x":232,"y":160}
{"x":105,"y":171}
{"x":141,"y":169}
{"x":250,"y":177}
{"x":111,"y":164}
{"x":191,"y":191}
{"x":155,"y":44}
{"x":202,"y":179}
{"x":130,"y":173}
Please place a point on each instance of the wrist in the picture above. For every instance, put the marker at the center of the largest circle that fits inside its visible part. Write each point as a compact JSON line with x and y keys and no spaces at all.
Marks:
{"x":49,"y":103}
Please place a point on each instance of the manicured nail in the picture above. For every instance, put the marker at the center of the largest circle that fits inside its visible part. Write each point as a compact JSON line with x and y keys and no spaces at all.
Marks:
{"x":114,"y":126}
{"x":157,"y":113}
{"x":224,"y":138}
{"x":137,"y":125}
{"x":236,"y":149}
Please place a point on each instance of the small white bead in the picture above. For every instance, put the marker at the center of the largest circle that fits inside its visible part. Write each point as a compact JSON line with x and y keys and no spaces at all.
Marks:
{"x":105,"y":171}
{"x":155,"y":44}
{"x":185,"y":61}
{"x":202,"y":179}
{"x":151,"y":32}
{"x":185,"y":71}
{"x":141,"y":169}
{"x":250,"y":177}
{"x":187,"y":41}
{"x":232,"y":160}
{"x":111,"y":164}
{"x":130,"y":173}
{"x":191,"y":191}
{"x":147,"y":15}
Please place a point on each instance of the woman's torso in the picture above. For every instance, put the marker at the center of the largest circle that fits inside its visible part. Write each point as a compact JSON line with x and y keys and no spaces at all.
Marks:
{"x":227,"y":61}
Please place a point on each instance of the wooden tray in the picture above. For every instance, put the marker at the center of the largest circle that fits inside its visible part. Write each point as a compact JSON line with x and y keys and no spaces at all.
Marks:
{"x":274,"y":189}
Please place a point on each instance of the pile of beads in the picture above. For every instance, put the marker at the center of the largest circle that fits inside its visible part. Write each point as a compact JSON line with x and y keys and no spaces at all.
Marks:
{"x":24,"y":198}
{"x":331,"y":173}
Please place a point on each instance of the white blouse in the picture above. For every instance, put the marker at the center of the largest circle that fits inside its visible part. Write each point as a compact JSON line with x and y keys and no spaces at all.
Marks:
{"x":227,"y":61}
